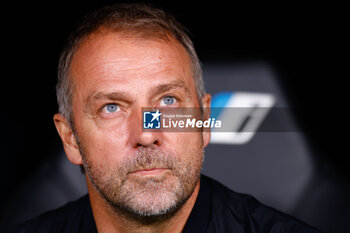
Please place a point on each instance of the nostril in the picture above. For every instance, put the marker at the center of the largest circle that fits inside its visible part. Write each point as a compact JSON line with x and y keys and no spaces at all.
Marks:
{"x":155,"y":142}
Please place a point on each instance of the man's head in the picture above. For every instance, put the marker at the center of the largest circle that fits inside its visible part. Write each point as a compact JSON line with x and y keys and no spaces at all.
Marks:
{"x":135,"y":20}
{"x":121,"y":59}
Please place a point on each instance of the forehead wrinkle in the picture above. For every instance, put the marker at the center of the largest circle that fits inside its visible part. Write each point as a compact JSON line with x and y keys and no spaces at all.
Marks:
{"x":124,"y":66}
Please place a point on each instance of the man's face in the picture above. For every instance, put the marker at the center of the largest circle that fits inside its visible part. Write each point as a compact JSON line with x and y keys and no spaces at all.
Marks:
{"x":145,"y":173}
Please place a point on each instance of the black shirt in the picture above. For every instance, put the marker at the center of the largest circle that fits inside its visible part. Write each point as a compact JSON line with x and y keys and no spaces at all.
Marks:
{"x":217,"y":209}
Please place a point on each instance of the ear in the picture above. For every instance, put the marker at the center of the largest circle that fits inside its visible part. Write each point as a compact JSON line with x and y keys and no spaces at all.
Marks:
{"x":69,"y":143}
{"x":206,"y":107}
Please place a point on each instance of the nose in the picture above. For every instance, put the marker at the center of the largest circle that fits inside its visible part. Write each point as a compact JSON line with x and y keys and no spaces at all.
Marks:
{"x":138,"y":137}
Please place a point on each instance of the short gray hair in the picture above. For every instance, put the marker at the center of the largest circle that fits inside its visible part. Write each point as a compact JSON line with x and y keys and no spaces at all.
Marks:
{"x":138,"y":19}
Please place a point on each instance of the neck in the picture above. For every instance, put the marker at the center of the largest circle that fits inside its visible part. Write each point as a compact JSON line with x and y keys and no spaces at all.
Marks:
{"x":108,"y":220}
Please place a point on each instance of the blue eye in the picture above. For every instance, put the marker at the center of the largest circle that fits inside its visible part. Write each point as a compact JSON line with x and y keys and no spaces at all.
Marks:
{"x":110,"y":108}
{"x":168,"y":100}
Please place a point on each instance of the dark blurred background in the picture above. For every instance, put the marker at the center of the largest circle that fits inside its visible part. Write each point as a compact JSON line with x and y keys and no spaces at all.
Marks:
{"x":304,"y":44}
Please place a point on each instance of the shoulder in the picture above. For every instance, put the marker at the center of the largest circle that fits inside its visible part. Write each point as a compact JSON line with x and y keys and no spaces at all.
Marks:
{"x":63,"y":219}
{"x":248,"y":213}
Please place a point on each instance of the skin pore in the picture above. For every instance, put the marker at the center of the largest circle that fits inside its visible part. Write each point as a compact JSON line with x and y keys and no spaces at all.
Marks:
{"x":137,"y":181}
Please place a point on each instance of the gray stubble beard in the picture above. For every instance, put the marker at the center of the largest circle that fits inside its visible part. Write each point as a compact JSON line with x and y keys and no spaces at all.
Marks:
{"x":147,"y":200}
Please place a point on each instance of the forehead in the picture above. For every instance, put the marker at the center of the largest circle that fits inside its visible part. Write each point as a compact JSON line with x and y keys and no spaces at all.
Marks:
{"x":111,"y":54}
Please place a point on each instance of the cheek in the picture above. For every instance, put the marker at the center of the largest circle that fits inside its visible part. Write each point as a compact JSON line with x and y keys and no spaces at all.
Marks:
{"x":185,"y":142}
{"x":104,"y":146}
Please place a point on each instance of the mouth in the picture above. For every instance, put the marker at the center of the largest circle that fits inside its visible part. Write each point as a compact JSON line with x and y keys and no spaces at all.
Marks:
{"x":150,"y":172}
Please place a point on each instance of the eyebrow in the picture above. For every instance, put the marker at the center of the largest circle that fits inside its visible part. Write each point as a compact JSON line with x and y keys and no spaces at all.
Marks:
{"x":124,"y":97}
{"x":107,"y":96}
{"x":173,"y":85}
